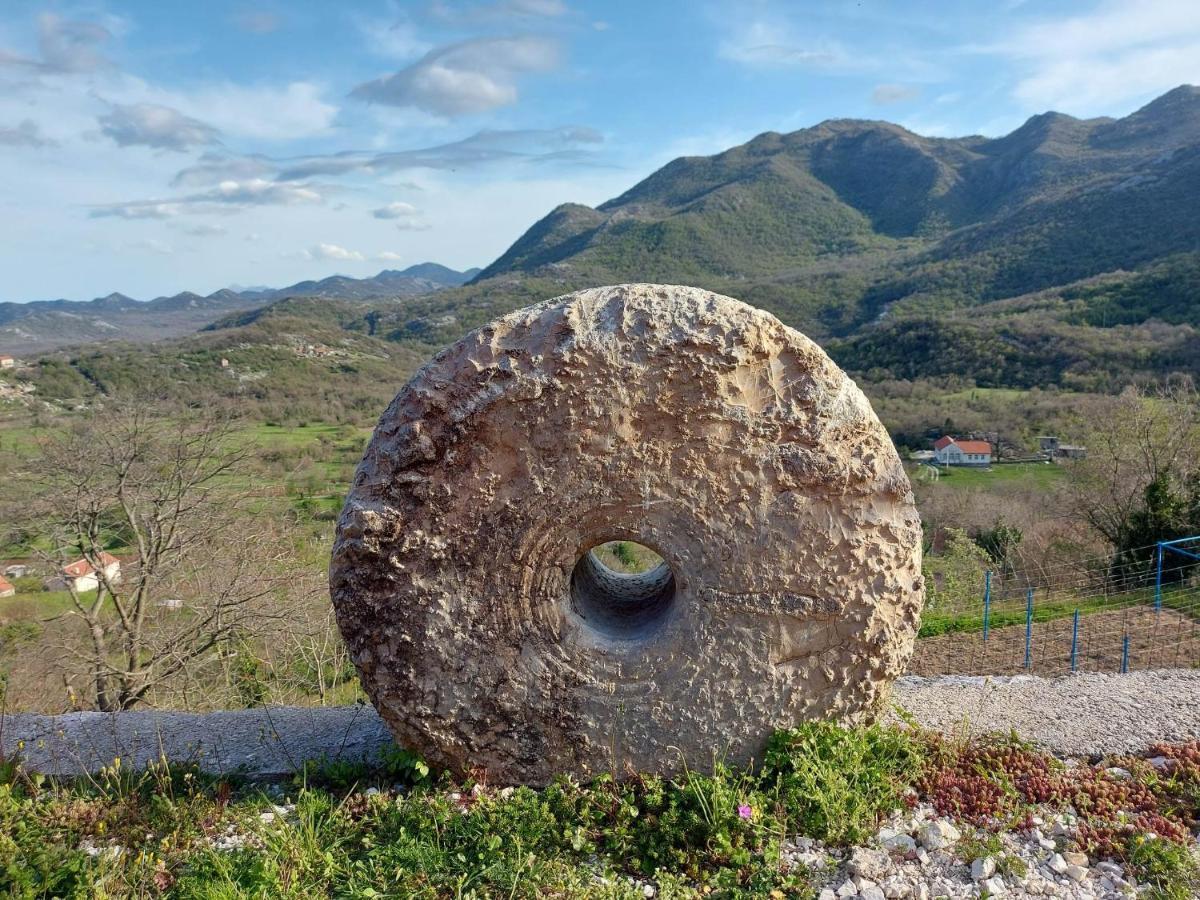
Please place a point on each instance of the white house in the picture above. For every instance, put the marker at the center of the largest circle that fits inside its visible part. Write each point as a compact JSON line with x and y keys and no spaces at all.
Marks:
{"x":82,"y":576}
{"x":7,"y":362}
{"x":950,"y":452}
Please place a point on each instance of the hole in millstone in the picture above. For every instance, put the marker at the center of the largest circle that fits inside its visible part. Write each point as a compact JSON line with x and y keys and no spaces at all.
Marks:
{"x":622,"y":589}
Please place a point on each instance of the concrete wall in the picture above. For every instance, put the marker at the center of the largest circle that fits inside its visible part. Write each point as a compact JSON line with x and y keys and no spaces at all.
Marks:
{"x":263,"y":743}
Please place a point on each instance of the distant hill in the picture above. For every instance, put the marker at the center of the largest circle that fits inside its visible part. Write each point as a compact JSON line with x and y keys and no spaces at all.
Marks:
{"x":1065,"y":253}
{"x":28,"y":329}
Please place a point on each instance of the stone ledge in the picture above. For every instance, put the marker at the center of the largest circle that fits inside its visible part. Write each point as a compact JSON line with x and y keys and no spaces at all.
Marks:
{"x":1075,"y":715}
{"x":261,"y":743}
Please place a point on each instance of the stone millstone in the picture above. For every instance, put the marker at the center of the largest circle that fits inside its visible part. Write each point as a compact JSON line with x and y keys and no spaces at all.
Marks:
{"x":490,"y":639}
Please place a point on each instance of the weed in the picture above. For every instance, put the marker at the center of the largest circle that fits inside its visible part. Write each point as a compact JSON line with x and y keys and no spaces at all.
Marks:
{"x":835,"y":783}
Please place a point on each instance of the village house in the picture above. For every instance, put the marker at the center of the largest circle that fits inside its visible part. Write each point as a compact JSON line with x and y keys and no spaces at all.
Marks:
{"x":948,"y":451}
{"x":81,"y":576}
{"x":6,"y":588}
{"x":7,"y":362}
{"x":16,"y":570}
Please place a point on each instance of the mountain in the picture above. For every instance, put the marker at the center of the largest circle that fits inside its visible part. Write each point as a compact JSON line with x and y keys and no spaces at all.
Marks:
{"x":423,"y":278}
{"x":854,"y":231}
{"x":27,"y":329}
{"x":1065,"y":253}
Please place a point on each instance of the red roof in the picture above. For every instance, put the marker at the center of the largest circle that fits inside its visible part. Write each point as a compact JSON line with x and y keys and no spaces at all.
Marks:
{"x":965,"y":446}
{"x":82,"y":567}
{"x":5,"y":584}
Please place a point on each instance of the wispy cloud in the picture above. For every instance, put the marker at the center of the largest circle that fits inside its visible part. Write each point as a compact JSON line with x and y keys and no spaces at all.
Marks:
{"x":768,"y":43}
{"x":26,"y":133}
{"x":152,"y":125}
{"x":464,"y":78}
{"x":64,"y":46}
{"x":481,"y":148}
{"x":1116,"y":51}
{"x":226,"y":196}
{"x":885,"y":94}
{"x":474,"y":13}
{"x":213,"y":168}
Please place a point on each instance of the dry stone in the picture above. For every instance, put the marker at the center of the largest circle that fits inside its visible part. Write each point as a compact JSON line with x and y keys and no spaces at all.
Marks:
{"x":490,"y":638}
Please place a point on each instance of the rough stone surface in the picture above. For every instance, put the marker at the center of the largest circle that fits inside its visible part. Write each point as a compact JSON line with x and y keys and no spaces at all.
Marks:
{"x":276,"y":741}
{"x":686,"y":421}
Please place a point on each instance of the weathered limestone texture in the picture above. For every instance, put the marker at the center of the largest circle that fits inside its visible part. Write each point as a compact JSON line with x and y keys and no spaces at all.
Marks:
{"x":705,"y":429}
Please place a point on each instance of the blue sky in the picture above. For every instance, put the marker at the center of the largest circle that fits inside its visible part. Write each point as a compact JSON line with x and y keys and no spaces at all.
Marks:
{"x":153,"y":147}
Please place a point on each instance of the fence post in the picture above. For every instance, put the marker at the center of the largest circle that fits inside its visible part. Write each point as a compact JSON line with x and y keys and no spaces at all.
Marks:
{"x":1158,"y":579}
{"x":1125,"y":654}
{"x":1075,"y":642}
{"x":1029,"y":629}
{"x":987,"y":602}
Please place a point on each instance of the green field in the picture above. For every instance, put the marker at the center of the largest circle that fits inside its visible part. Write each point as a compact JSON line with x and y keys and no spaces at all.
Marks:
{"x":1035,"y":475}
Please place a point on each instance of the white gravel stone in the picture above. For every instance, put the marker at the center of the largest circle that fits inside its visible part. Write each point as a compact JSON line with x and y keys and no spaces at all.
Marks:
{"x":995,"y":886}
{"x":983,"y":868}
{"x":939,"y":834}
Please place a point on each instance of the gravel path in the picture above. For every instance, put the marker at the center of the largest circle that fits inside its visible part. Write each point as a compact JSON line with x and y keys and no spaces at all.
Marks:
{"x":1078,"y":715}
{"x":1074,"y":715}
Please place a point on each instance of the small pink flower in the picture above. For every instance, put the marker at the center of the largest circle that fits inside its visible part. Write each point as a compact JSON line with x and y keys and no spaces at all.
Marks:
{"x":745,"y":811}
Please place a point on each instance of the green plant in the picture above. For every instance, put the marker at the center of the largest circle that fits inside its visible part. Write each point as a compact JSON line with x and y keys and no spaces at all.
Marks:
{"x":1169,"y":868}
{"x":837,"y":783}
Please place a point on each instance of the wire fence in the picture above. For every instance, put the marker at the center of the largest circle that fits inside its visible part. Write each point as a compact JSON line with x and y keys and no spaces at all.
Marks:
{"x":1108,"y":614}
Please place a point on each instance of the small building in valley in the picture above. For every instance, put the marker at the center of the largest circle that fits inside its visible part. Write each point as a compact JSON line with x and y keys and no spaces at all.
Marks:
{"x":7,"y":362}
{"x":949,"y":451}
{"x":6,"y":588}
{"x":1053,"y":448}
{"x":82,"y":576}
{"x":16,"y":570}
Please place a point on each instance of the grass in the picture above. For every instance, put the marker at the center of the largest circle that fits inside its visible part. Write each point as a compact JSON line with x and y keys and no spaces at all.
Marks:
{"x":396,"y":829}
{"x":1037,"y":475}
{"x":1012,"y":612}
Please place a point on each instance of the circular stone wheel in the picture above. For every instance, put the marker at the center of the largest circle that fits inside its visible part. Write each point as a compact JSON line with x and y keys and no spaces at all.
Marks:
{"x":489,"y":637}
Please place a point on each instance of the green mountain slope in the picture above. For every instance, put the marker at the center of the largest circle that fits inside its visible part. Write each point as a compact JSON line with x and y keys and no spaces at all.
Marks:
{"x":1065,"y":253}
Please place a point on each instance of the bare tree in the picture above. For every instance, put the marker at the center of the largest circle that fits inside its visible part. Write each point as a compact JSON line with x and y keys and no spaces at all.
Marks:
{"x":200,"y":569}
{"x":1134,"y":440}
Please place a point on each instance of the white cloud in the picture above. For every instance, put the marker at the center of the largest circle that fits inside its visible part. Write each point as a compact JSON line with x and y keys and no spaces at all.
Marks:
{"x":1118,"y":51}
{"x":766,"y":43}
{"x":225,"y":197}
{"x":333,"y":252}
{"x":464,"y":78}
{"x":885,"y":94}
{"x":213,"y":168}
{"x":65,"y":46}
{"x":396,"y":210}
{"x":202,"y":229}
{"x":151,"y":125}
{"x":267,"y":112}
{"x":389,"y":256}
{"x":26,"y":133}
{"x":531,"y":145}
